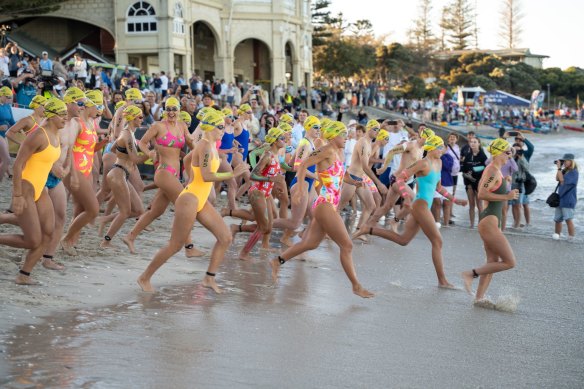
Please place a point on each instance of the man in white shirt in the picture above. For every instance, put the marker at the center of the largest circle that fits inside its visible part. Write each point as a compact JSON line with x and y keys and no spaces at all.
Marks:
{"x":164,"y":85}
{"x":298,"y":129}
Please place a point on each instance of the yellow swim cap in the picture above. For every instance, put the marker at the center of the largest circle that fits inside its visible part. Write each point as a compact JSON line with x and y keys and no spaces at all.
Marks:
{"x":325,"y":123}
{"x":133,"y":94}
{"x":285,"y":127}
{"x":172,"y":102}
{"x":287,"y":118}
{"x":184,"y":116}
{"x":243,"y":108}
{"x":5,"y":92}
{"x":37,"y":101}
{"x":120,"y":104}
{"x":382,"y":135}
{"x":311,"y":122}
{"x":227,"y":112}
{"x":95,"y":97}
{"x":202,"y":112}
{"x":426,"y":133}
{"x":433,"y":142}
{"x":55,"y":107}
{"x":274,"y":134}
{"x":333,"y":130}
{"x":131,"y":112}
{"x":72,"y":95}
{"x":211,"y":120}
{"x":371,"y":124}
{"x":498,"y":147}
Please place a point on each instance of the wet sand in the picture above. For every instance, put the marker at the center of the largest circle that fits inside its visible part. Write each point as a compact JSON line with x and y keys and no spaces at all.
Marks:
{"x":91,"y":326}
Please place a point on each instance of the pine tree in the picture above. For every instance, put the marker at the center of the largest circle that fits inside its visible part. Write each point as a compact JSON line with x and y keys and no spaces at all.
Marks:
{"x":459,"y":23}
{"x":422,"y":34}
{"x":510,"y":27}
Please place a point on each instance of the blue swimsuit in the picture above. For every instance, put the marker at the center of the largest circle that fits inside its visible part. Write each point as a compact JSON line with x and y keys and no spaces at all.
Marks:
{"x":427,"y":186}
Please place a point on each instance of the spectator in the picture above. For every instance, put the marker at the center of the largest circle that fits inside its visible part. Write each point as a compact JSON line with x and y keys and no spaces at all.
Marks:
{"x":14,"y":61}
{"x":45,"y":63}
{"x":80,"y":68}
{"x":518,"y":182}
{"x":163,"y":84}
{"x":59,"y":69}
{"x":567,"y":177}
{"x":473,"y":161}
{"x":4,"y":61}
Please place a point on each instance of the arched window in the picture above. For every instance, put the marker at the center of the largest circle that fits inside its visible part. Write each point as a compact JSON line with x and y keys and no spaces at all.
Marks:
{"x":141,"y":18}
{"x":178,"y":22}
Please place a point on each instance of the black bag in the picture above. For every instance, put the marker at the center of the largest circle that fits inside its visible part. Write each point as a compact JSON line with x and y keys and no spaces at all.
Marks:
{"x":530,"y":183}
{"x":553,"y":200}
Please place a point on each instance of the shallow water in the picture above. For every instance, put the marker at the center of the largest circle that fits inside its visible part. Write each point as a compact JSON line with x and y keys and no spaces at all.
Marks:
{"x":311,"y":331}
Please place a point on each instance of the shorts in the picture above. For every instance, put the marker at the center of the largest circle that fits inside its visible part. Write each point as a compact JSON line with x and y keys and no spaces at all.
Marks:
{"x":384,"y":178}
{"x":439,"y":196}
{"x":52,"y":181}
{"x":523,"y":198}
{"x":455,"y":180}
{"x":563,"y":214}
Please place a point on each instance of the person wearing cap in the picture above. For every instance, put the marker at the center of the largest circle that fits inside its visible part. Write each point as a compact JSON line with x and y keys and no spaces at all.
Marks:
{"x":80,"y":180}
{"x":567,"y":177}
{"x":241,"y":135}
{"x":45,"y":62}
{"x":28,"y":123}
{"x":227,"y":149}
{"x":169,"y":136}
{"x":326,"y":219}
{"x":428,"y":173}
{"x":192,"y":205}
{"x":527,"y":149}
{"x":380,"y":142}
{"x":6,"y":121}
{"x":298,"y":129}
{"x":30,"y":200}
{"x":493,"y":189}
{"x":264,"y":176}
{"x":361,"y":168}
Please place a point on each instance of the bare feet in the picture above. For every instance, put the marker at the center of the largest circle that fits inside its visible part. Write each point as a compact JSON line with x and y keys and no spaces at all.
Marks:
{"x":209,"y":282}
{"x":244,"y":256}
{"x":48,"y":263}
{"x":446,"y":285}
{"x":361,"y":231}
{"x":193,"y":252}
{"x":362,"y":292}
{"x":68,"y":247}
{"x":130,"y":243}
{"x":224,"y":212}
{"x":101,"y":221}
{"x":105,"y":244}
{"x":484,"y":303}
{"x":275,"y":265}
{"x":145,"y":284}
{"x":467,"y":281}
{"x":21,"y":279}
{"x":286,"y":241}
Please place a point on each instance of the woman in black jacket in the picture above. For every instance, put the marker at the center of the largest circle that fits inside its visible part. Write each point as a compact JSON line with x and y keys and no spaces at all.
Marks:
{"x":472,"y":164}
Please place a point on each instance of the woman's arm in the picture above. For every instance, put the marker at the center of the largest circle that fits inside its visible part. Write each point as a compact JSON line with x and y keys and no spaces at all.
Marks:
{"x":144,"y":142}
{"x":204,"y":156}
{"x":31,"y":145}
{"x":490,"y":182}
{"x":16,"y":128}
{"x":264,"y":161}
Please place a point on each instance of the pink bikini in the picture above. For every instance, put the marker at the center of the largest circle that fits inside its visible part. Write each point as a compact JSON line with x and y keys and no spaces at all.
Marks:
{"x":169,"y":140}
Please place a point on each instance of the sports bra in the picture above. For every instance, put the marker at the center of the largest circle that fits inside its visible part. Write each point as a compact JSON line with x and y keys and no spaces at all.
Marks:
{"x":169,"y":140}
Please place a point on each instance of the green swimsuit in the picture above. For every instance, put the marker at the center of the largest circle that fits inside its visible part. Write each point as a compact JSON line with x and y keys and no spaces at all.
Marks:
{"x":495,"y":208}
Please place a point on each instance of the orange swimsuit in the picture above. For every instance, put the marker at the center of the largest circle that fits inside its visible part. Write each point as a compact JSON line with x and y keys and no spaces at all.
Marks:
{"x":83,"y":149}
{"x":39,"y":165}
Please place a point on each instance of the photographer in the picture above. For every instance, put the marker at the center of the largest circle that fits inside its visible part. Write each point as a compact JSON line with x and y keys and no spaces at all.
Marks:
{"x":518,"y":182}
{"x":567,"y":177}
{"x":25,"y":87}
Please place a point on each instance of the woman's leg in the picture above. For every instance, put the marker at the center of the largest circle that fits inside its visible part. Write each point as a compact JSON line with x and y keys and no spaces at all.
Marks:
{"x":29,"y":223}
{"x":108,"y":162}
{"x":85,"y":197}
{"x":571,"y":228}
{"x":58,"y":197}
{"x":211,"y":220}
{"x":157,"y":208}
{"x":184,"y":217}
{"x":4,"y":159}
{"x":471,"y":204}
{"x":298,"y":211}
{"x":121,"y":192}
{"x":261,"y":210}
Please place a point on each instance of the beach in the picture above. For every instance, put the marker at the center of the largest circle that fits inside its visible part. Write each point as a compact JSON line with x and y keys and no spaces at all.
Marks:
{"x":91,"y":326}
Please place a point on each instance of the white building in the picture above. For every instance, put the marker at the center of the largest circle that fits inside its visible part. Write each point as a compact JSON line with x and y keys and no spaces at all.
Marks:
{"x":263,"y":41}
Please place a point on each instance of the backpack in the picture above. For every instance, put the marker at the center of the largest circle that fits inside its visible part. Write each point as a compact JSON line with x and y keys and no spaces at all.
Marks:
{"x":530,"y":183}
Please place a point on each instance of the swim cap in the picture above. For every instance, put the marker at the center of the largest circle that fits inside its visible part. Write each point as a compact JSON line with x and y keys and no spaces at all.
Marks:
{"x":325,"y":123}
{"x":285,"y":127}
{"x":243,"y":108}
{"x":131,"y":112}
{"x":172,"y":102}
{"x":426,"y":133}
{"x":5,"y":92}
{"x":95,"y":97}
{"x":227,"y":112}
{"x":133,"y":94}
{"x":184,"y":116}
{"x":287,"y":118}
{"x":202,"y":112}
{"x":37,"y":101}
{"x":120,"y":104}
{"x":382,"y":135}
{"x":498,"y":146}
{"x":433,"y":142}
{"x":333,"y":130}
{"x":310,"y":122}
{"x":211,"y":120}
{"x":371,"y":124}
{"x":72,"y":95}
{"x":274,"y":134}
{"x":54,"y":107}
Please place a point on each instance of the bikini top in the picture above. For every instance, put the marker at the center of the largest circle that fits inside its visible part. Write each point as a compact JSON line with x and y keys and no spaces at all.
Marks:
{"x":169,"y":140}
{"x":122,"y":150}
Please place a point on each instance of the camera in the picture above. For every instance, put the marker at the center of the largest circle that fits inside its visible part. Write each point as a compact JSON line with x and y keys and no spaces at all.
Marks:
{"x":558,"y":160}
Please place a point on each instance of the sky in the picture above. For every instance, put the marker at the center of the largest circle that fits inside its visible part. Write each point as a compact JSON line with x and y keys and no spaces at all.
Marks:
{"x":550,"y":28}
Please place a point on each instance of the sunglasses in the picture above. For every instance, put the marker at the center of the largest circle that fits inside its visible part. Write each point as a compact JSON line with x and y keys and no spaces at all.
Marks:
{"x":80,"y":104}
{"x":249,"y":112}
{"x":282,"y":138}
{"x":220,"y":127}
{"x":230,"y":116}
{"x":61,"y":115}
{"x":317,"y":127}
{"x":171,"y":109}
{"x":137,"y":101}
{"x":440,"y":148}
{"x":509,"y":152}
{"x":100,"y":107}
{"x":343,"y":134}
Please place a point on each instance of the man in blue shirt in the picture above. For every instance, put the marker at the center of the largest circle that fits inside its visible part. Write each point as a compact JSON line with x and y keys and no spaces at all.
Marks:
{"x":45,"y":62}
